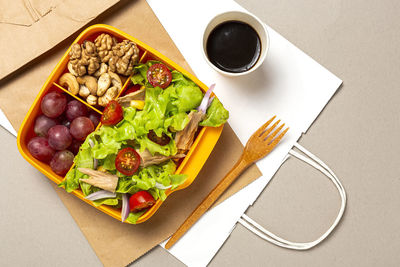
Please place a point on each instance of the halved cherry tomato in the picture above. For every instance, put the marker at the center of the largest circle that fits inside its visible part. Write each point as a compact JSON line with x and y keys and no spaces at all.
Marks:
{"x":140,"y":201}
{"x":127,"y":161}
{"x":112,"y":113}
{"x":159,"y":75}
{"x":162,"y":141}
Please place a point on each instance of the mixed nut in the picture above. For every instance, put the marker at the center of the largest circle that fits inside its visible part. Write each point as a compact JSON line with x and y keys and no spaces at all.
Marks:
{"x":94,"y":68}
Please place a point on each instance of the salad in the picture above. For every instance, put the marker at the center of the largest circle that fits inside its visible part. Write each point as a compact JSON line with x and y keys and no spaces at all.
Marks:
{"x":130,"y":161}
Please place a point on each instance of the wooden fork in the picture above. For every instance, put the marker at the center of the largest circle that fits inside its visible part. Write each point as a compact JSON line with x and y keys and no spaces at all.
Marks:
{"x":258,"y":146}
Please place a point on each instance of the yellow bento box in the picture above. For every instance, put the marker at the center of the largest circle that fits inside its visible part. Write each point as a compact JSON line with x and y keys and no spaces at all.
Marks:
{"x":191,"y":165}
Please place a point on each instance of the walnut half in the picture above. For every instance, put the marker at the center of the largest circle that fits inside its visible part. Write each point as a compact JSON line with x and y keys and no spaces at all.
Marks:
{"x":128,"y":54}
{"x":104,"y":43}
{"x":120,"y":57}
{"x":83,"y":59}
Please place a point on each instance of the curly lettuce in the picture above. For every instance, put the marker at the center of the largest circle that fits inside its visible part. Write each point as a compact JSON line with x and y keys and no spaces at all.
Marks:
{"x":216,"y":115}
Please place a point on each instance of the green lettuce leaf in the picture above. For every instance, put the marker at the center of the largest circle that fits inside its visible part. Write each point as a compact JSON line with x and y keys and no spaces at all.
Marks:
{"x":216,"y":115}
{"x":140,"y":76}
{"x":126,"y":185}
{"x":125,"y":131}
{"x":189,"y":93}
{"x":129,"y":114}
{"x":105,"y":142}
{"x":109,"y":162}
{"x":71,"y":181}
{"x":84,"y":158}
{"x":158,"y":193}
{"x":177,"y":180}
{"x":106,"y":201}
{"x":87,"y":189}
{"x":133,"y":217}
{"x":178,"y":121}
{"x":167,"y":150}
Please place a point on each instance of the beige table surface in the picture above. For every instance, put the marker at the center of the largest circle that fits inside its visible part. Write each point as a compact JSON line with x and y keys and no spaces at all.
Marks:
{"x":357,"y":135}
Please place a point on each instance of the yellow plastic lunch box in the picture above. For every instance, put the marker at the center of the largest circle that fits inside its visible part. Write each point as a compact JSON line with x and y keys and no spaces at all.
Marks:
{"x":191,"y":165}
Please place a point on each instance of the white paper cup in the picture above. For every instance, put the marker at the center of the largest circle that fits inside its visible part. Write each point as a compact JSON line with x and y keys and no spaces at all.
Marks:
{"x":245,"y":17}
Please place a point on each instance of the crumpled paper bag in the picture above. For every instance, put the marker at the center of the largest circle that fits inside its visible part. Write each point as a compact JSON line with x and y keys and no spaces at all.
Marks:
{"x":31,"y":27}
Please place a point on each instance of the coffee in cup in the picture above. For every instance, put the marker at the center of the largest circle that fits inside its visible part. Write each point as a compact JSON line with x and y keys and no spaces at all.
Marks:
{"x":233,"y":46}
{"x":235,"y":43}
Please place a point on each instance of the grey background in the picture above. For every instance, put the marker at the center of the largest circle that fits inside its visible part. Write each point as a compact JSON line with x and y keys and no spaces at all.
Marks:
{"x":357,"y":135}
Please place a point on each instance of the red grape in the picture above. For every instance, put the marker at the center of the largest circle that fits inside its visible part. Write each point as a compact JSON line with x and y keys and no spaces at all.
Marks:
{"x":61,"y":162}
{"x":75,"y":109}
{"x":94,"y":117}
{"x":59,"y":137}
{"x":53,"y":104}
{"x":43,"y":124}
{"x":81,"y":127}
{"x":40,"y":149}
{"x":74,"y":147}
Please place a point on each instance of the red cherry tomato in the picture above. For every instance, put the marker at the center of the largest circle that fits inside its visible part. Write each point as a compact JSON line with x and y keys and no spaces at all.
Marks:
{"x":112,"y":113}
{"x":127,"y":161}
{"x":159,"y":75}
{"x":140,"y":201}
{"x":162,"y":141}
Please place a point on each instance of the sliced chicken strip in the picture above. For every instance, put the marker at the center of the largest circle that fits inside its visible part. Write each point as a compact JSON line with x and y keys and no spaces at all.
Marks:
{"x":184,"y":139}
{"x":148,"y":159}
{"x":100,"y":179}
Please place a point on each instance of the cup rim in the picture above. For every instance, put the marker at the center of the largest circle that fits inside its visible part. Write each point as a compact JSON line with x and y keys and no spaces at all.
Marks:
{"x":260,"y":59}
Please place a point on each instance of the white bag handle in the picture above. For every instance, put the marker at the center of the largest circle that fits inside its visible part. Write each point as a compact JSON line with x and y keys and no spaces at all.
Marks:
{"x":267,"y":235}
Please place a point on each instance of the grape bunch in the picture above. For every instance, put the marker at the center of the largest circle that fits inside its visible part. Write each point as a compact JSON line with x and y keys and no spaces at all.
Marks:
{"x":61,"y":130}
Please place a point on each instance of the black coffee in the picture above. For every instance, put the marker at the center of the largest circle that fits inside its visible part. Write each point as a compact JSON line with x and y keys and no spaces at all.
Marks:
{"x":233,"y":46}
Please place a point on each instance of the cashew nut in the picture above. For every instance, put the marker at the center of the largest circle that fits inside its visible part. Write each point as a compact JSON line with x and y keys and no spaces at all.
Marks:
{"x":91,"y":100}
{"x":103,"y":69}
{"x":90,"y":82}
{"x":111,"y":93}
{"x":83,"y":91}
{"x":68,"y":80}
{"x":103,"y":84}
{"x":115,"y":80}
